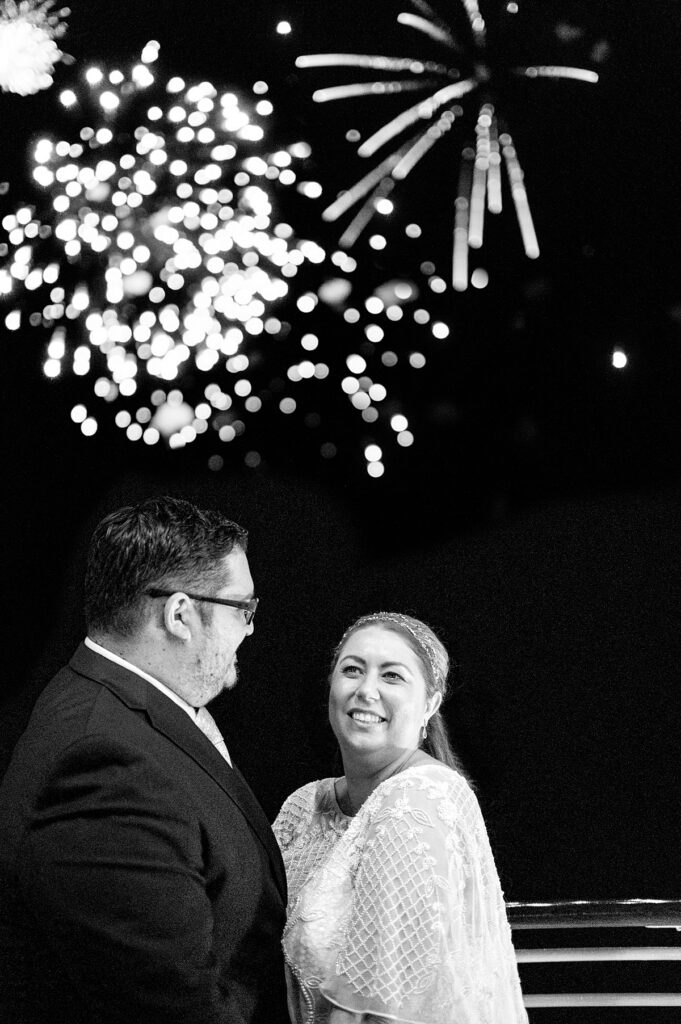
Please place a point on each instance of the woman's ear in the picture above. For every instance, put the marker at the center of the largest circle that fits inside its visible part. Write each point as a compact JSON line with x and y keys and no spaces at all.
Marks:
{"x":433,"y":704}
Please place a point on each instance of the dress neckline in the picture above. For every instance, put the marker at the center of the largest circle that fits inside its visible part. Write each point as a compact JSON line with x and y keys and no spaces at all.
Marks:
{"x":338,"y":810}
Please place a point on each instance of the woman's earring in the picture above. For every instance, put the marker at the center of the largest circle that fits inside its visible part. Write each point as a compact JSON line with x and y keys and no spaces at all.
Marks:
{"x":424,"y":731}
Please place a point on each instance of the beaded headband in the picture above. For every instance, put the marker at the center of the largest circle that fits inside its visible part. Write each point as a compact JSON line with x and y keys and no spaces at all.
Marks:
{"x":423,"y":642}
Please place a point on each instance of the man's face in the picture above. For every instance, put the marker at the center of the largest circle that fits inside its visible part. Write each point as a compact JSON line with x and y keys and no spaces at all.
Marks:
{"x":221,"y":634}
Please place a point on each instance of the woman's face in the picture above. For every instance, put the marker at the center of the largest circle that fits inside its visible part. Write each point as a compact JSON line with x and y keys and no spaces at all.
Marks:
{"x":377,"y":700}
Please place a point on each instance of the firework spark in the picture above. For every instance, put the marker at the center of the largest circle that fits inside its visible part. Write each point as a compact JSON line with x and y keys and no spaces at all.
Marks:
{"x":426,"y":122}
{"x":28,"y":51}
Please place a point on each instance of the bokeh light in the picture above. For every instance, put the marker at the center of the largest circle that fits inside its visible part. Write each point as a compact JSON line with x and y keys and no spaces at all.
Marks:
{"x":152,"y":255}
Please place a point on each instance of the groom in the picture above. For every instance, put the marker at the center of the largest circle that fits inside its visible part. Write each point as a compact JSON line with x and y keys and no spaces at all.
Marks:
{"x":140,"y":882}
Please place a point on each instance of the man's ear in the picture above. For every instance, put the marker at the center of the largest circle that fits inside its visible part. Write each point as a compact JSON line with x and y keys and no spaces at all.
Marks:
{"x":176,"y":616}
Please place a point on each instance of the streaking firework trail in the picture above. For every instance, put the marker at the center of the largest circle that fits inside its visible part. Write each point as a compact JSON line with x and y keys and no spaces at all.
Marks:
{"x":403,"y":141}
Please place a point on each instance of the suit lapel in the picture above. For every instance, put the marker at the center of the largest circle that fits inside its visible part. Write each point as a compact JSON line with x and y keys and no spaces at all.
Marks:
{"x":167,"y":718}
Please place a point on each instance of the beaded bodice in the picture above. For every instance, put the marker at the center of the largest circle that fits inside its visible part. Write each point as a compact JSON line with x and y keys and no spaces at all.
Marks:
{"x":397,"y":912}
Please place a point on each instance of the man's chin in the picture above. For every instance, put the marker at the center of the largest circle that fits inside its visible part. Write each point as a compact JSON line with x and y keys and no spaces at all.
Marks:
{"x":231,"y":677}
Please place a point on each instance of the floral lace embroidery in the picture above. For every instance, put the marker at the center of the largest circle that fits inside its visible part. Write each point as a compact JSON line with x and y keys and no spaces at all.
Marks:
{"x":398,"y":911}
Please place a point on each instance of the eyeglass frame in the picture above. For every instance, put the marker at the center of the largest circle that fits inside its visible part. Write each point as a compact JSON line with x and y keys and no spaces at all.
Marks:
{"x":249,"y":607}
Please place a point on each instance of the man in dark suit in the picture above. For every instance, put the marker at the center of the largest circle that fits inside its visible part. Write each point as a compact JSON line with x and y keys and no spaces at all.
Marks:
{"x":140,"y":882}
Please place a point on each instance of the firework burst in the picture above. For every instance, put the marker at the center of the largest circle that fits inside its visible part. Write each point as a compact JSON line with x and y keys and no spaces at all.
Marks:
{"x":152,"y":258}
{"x":465,"y":74}
{"x":155,"y":262}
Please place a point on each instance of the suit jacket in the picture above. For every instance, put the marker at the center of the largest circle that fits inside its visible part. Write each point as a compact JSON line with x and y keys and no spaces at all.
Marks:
{"x":139,"y":877}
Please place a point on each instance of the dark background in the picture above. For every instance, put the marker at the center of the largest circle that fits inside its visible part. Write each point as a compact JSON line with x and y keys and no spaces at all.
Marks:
{"x":534,"y":524}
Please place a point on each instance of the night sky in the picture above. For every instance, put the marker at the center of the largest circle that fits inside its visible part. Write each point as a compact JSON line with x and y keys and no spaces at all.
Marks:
{"x":535,"y":521}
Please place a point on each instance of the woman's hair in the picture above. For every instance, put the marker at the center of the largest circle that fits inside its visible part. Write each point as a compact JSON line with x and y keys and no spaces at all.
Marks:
{"x":434,"y":660}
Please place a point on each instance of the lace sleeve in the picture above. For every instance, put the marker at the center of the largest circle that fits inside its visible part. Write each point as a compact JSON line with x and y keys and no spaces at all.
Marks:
{"x":426,"y":939}
{"x":294,"y":811}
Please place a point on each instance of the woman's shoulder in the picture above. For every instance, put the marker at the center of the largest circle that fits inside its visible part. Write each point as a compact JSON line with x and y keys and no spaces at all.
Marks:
{"x":311,"y":797}
{"x":431,"y":773}
{"x":425,"y":784}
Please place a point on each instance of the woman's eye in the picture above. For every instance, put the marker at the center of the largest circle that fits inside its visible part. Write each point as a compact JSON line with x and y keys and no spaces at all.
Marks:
{"x":351,"y":670}
{"x":392,"y":677}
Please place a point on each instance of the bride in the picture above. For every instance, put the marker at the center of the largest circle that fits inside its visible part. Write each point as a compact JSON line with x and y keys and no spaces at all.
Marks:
{"x":395,"y":907}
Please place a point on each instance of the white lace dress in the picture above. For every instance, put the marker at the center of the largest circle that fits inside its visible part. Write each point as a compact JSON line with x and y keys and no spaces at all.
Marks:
{"x":396,"y":913}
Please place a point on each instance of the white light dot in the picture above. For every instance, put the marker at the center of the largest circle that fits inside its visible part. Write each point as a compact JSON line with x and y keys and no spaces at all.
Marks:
{"x":78,"y":413}
{"x":398,"y":422}
{"x":89,"y":426}
{"x":619,"y":359}
{"x":284,"y":28}
{"x":306,"y":303}
{"x":310,"y":189}
{"x":356,"y":364}
{"x":373,"y":453}
{"x":377,"y":242}
{"x":440,"y":330}
{"x":109,"y":100}
{"x":375,"y":469}
{"x":479,"y":278}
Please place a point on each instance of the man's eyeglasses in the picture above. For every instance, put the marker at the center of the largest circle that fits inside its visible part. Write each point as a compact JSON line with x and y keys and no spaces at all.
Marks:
{"x":249,"y":607}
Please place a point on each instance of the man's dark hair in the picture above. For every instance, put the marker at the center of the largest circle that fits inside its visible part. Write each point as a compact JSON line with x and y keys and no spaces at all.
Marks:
{"x":162,"y":542}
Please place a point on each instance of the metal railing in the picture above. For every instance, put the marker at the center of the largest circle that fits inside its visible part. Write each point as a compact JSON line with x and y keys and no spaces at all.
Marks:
{"x":545,"y":933}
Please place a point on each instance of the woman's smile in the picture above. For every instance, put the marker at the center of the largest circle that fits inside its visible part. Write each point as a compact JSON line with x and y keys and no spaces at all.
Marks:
{"x":365,"y":717}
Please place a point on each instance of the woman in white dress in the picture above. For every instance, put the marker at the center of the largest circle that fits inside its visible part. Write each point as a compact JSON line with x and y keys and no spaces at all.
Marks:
{"x":395,"y":908}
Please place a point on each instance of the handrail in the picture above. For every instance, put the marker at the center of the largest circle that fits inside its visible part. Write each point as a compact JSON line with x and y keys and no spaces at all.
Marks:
{"x":641,"y":913}
{"x":582,"y":954}
{"x":606,"y":914}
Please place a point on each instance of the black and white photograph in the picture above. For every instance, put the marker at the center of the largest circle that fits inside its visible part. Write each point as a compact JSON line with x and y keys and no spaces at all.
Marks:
{"x":341,"y":432}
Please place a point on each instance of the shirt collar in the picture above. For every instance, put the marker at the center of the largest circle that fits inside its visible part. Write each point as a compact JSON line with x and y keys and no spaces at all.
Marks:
{"x":98,"y":649}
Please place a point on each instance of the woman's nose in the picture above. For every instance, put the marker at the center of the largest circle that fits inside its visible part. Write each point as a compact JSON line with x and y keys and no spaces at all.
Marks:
{"x":368,"y":686}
